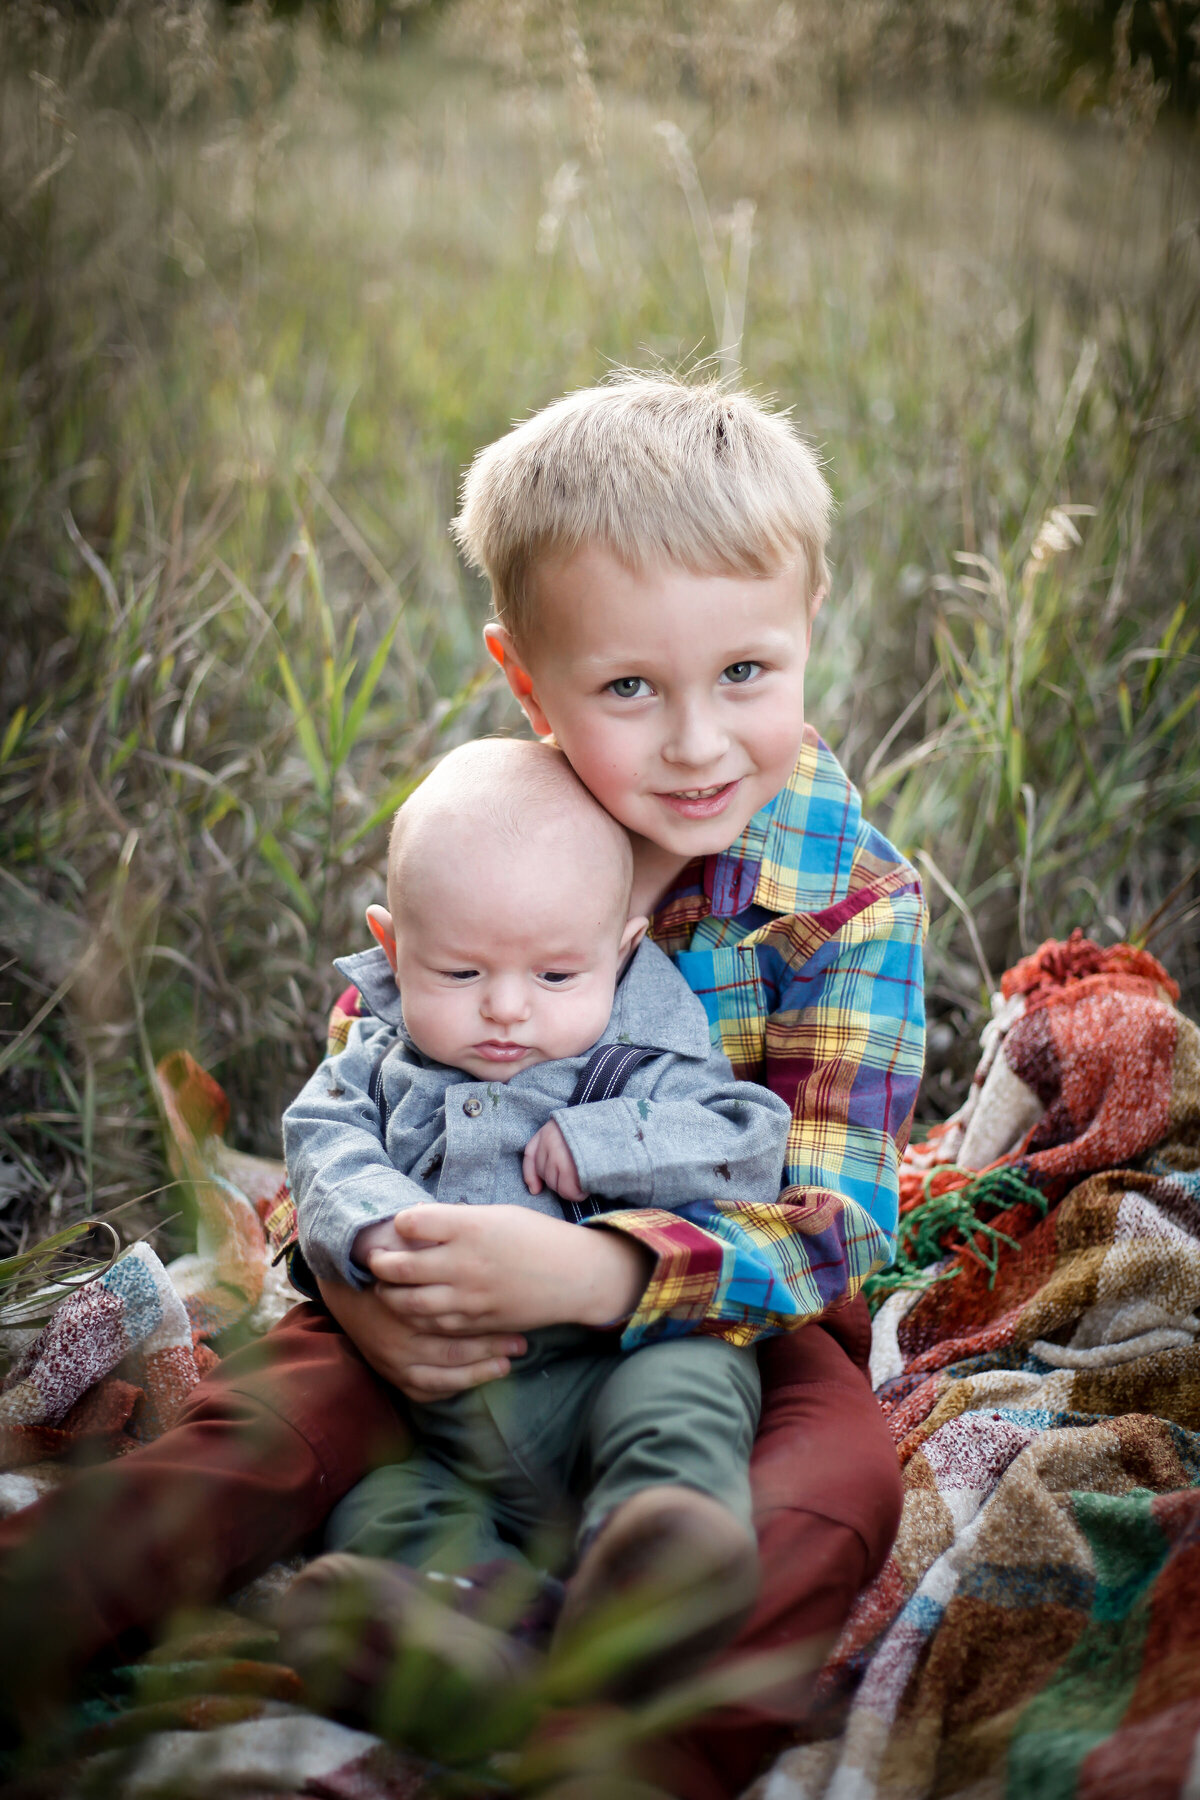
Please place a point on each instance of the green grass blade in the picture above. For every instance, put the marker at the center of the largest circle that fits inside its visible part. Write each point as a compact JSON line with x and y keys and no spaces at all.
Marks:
{"x":366,"y":687}
{"x":395,"y":796}
{"x":314,"y":756}
{"x":273,"y":853}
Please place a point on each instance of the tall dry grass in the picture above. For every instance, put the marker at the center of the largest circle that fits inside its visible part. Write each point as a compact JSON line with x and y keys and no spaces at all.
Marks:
{"x":263,"y":296}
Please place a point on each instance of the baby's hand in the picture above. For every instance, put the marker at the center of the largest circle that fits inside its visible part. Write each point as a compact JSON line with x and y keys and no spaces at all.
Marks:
{"x":379,"y":1236}
{"x":548,"y":1163}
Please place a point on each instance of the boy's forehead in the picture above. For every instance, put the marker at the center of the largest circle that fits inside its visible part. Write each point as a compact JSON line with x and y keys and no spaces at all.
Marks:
{"x":590,"y":604}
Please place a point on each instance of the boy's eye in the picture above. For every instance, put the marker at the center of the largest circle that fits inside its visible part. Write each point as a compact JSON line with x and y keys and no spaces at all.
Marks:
{"x":460,"y":974}
{"x":629,"y":687}
{"x":556,"y":977}
{"x":738,"y":672}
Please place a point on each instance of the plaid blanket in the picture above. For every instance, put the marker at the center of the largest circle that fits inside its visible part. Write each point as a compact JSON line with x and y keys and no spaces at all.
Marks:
{"x":1036,"y":1631}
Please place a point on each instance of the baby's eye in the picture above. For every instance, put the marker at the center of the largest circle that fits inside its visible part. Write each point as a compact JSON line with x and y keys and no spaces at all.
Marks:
{"x":739,"y":672}
{"x":556,"y":977}
{"x":460,"y":974}
{"x":630,"y":687}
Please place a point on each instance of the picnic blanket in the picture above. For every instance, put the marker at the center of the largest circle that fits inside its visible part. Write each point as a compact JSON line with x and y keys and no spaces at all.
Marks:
{"x":119,"y":1356}
{"x":1036,"y":1630}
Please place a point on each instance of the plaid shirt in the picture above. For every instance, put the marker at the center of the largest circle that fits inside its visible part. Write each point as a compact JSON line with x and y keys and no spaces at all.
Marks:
{"x":803,"y":941}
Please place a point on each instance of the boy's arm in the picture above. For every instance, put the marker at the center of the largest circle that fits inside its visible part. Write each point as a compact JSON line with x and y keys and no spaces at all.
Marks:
{"x":844,"y":1050}
{"x":697,"y":1130}
{"x":339,"y":1171}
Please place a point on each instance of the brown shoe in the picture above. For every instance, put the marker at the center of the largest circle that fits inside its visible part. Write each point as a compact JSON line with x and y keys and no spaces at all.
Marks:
{"x":364,"y":1634}
{"x":665,"y":1583}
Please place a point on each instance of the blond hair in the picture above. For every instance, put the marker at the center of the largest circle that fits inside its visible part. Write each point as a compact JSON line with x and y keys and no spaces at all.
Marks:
{"x":654,"y":469}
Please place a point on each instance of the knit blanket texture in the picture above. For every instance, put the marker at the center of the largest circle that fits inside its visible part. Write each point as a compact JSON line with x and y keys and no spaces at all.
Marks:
{"x":1035,"y":1634}
{"x":120,"y":1355}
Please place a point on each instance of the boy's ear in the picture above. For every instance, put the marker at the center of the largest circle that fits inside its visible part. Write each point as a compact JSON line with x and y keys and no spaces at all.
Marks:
{"x":635,"y":930}
{"x":814,"y":607}
{"x":504,"y":651}
{"x":379,"y":921}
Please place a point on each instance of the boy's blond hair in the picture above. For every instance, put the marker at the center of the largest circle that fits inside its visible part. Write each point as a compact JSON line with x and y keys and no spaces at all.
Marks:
{"x":654,"y":469}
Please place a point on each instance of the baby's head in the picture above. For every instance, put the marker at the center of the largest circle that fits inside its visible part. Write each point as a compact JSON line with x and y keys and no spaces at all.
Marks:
{"x":508,"y":902}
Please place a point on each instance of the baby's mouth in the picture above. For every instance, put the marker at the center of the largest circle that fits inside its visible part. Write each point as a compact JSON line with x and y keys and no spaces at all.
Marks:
{"x":501,"y":1050}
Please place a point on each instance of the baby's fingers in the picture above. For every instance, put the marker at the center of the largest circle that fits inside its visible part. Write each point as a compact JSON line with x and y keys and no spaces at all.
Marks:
{"x":396,"y":1268}
{"x":563,"y":1176}
{"x":530,"y":1166}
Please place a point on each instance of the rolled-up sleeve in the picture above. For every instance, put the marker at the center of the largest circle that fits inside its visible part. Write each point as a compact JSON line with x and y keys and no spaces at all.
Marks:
{"x":338,"y":1167}
{"x":695,"y":1129}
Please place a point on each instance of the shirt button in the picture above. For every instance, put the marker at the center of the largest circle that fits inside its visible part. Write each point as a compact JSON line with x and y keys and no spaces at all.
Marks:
{"x":472,"y":1107}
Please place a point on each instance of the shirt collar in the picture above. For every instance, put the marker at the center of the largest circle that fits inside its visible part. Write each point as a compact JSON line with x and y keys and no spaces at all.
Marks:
{"x":653,"y":1008}
{"x":371,"y":973}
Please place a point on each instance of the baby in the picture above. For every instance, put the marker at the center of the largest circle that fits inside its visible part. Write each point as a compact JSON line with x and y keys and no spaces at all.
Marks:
{"x":524,"y":1045}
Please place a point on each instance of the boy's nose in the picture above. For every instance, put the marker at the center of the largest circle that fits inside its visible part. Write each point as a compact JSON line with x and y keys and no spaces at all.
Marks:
{"x":695,"y":739}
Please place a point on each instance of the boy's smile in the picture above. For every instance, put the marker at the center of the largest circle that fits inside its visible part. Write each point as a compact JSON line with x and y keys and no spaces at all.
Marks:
{"x":677,"y":698}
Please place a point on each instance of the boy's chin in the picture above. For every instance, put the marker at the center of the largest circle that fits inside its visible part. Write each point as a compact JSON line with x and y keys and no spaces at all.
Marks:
{"x":700,"y":837}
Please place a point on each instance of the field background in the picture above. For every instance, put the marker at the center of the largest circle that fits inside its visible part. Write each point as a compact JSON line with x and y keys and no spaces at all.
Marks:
{"x":268,"y":281}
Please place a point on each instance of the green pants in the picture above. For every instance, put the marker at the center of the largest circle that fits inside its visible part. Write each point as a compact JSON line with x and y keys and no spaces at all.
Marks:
{"x":531,"y":1462}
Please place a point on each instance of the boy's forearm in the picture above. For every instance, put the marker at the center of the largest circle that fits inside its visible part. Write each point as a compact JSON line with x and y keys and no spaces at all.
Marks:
{"x":746,"y":1272}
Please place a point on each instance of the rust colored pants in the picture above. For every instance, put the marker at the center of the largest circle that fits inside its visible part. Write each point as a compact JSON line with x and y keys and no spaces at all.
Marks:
{"x":268,"y":1443}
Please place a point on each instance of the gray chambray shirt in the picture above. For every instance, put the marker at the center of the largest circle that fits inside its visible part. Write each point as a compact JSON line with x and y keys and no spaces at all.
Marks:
{"x":684,"y":1128}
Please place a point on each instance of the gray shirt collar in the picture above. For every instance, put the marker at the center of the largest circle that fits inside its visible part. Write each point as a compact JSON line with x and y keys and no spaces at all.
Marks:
{"x":654,"y":1007}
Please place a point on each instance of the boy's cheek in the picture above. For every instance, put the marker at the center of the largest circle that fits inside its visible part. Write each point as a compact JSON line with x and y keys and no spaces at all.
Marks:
{"x":605,"y":754}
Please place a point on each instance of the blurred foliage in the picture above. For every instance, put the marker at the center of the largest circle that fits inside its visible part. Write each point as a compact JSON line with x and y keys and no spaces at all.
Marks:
{"x":262,"y":296}
{"x":1122,"y":58}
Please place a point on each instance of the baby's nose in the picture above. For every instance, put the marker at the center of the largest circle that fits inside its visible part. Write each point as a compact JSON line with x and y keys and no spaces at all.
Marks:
{"x":506,"y":1001}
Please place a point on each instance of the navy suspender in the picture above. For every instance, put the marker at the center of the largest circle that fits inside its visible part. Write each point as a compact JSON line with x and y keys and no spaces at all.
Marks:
{"x":604,"y":1076}
{"x":375,"y":1094}
{"x":607,"y":1071}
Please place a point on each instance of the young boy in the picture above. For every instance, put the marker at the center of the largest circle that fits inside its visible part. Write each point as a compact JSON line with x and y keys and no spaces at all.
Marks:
{"x":510,"y":999}
{"x":656,"y":551}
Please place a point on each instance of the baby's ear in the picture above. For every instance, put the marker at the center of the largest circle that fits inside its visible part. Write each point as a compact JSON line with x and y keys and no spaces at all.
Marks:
{"x":635,"y":930}
{"x":379,"y":921}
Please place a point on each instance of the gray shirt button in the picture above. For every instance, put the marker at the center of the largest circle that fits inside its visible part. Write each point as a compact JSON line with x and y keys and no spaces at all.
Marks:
{"x":472,"y":1107}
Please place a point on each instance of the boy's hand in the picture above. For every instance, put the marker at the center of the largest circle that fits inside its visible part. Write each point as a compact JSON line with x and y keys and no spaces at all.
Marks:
{"x":423,"y":1362}
{"x":548,"y":1163}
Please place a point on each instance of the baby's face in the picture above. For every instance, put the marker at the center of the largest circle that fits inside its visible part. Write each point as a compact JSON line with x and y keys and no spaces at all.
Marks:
{"x":505,"y":963}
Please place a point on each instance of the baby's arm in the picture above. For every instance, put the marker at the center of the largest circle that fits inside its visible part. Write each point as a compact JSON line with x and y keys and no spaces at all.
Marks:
{"x":341,"y":1177}
{"x":697,"y":1132}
